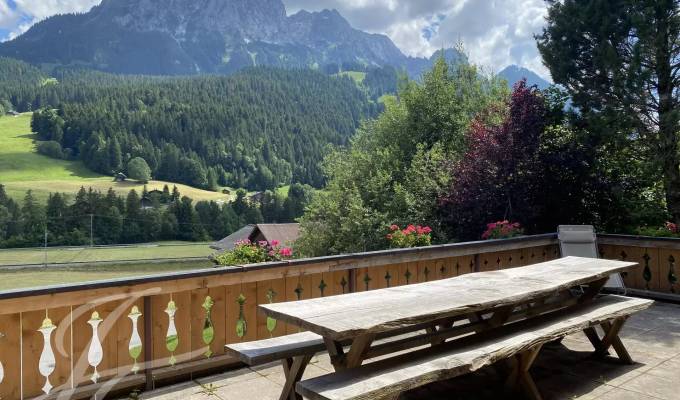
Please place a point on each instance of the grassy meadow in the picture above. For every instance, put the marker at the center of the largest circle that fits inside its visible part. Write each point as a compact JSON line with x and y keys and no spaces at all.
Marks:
{"x":60,"y":255}
{"x":22,"y":168}
{"x":39,"y":277}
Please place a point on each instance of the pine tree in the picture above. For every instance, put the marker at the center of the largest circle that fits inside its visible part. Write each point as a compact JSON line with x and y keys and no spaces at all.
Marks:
{"x":115,"y":155}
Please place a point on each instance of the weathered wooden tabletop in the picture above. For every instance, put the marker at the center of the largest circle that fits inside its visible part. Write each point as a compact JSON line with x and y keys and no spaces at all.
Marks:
{"x":384,"y":310}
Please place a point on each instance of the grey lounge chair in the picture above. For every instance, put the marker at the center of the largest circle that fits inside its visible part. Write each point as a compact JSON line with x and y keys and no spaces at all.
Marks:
{"x":581,"y":241}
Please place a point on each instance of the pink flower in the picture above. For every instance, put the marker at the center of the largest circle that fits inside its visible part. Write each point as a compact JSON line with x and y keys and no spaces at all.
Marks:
{"x":394,"y":227}
{"x":272,"y":253}
{"x":389,"y":236}
{"x":274,"y":243}
{"x":411,"y":228}
{"x":286,"y":252}
{"x":427,"y":229}
{"x":262,"y":243}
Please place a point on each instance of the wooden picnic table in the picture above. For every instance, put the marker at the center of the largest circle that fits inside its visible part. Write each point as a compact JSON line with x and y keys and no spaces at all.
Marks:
{"x":487,"y":300}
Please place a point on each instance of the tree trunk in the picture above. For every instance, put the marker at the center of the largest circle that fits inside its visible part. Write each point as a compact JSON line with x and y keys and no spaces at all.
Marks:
{"x":668,"y":117}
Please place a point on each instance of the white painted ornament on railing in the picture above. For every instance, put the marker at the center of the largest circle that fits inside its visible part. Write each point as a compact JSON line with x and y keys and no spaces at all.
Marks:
{"x":95,"y":354}
{"x":47,"y":363}
{"x":135,"y":346}
{"x":171,"y":338}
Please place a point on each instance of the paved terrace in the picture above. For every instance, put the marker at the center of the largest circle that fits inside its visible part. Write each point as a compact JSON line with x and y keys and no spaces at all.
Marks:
{"x":561,"y":372}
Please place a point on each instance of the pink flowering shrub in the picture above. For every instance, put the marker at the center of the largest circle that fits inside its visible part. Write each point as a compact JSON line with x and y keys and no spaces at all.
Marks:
{"x":246,"y":252}
{"x":411,"y":236}
{"x":671,"y":227}
{"x":502,"y":230}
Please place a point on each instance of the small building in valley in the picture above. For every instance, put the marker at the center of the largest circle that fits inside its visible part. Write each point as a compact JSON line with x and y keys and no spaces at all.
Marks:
{"x":285,"y":234}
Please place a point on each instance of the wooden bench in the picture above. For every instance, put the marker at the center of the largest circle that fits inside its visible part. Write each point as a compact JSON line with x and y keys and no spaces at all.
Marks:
{"x":517,"y":343}
{"x":294,"y":351}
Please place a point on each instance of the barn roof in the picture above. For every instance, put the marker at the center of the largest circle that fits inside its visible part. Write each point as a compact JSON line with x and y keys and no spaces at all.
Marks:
{"x":286,"y":234}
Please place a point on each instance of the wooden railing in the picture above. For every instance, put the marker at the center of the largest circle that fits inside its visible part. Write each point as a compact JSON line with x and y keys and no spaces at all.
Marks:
{"x":94,"y":339}
{"x":656,"y":274}
{"x":82,"y":340}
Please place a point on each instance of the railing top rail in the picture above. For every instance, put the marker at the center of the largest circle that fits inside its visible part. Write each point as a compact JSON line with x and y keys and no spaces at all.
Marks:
{"x":638,"y":241}
{"x":338,"y":262}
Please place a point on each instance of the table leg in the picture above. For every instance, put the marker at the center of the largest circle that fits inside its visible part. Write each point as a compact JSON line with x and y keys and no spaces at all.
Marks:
{"x":357,"y":351}
{"x":354,"y":357}
{"x":293,"y":369}
{"x":336,"y":352}
{"x":519,"y":377}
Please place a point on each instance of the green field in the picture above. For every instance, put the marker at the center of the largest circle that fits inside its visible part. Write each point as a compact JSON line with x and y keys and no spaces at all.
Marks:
{"x":152,"y":251}
{"x":39,"y":277}
{"x":356,"y":75}
{"x":56,"y":274}
{"x":22,"y":168}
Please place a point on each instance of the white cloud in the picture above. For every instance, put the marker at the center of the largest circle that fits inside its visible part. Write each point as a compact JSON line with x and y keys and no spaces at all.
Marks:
{"x":8,"y":17}
{"x":496,"y":33}
{"x":25,"y":13}
{"x":40,"y":9}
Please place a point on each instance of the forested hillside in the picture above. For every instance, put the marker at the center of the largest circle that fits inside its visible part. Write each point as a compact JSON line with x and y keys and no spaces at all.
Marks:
{"x":256,"y":129}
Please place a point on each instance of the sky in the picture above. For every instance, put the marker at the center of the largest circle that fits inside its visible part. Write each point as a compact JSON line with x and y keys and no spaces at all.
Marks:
{"x":495,"y":33}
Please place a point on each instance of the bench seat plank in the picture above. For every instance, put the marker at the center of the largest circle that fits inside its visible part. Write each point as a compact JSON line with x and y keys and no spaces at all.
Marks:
{"x":277,"y":348}
{"x":388,"y":377}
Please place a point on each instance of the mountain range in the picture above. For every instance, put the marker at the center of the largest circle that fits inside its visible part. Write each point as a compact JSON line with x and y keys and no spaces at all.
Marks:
{"x":182,"y":37}
{"x":186,"y":37}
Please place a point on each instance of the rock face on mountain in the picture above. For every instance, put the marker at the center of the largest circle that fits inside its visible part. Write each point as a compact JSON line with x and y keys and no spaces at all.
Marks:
{"x":514,"y":73}
{"x":173,"y":37}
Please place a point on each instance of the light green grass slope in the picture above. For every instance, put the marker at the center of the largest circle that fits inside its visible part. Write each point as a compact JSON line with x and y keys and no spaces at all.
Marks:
{"x":22,"y":168}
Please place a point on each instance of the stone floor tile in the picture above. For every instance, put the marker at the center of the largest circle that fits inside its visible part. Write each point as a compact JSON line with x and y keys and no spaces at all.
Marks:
{"x":652,"y":385}
{"x":622,"y":394}
{"x":259,"y":388}
{"x":182,"y":391}
{"x":228,"y":378}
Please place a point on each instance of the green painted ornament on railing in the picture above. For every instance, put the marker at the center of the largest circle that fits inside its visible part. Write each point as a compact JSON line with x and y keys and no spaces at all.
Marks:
{"x":672,"y":278}
{"x":367,"y":280}
{"x":208,"y":334}
{"x":624,"y":256}
{"x":271,"y":322}
{"x":241,"y":326}
{"x":647,"y":272}
{"x":343,"y":284}
{"x":322,"y":287}
{"x":299,"y":290}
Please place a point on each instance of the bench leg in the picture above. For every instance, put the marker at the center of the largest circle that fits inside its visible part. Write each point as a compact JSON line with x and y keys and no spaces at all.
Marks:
{"x":293,"y":368}
{"x":611,"y":338}
{"x":519,"y":377}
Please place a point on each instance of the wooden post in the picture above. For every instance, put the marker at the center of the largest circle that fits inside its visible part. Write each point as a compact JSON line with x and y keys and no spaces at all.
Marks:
{"x":148,"y":343}
{"x":352,"y":280}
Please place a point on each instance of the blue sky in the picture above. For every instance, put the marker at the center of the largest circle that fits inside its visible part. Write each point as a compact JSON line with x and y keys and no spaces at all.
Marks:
{"x":496,"y":33}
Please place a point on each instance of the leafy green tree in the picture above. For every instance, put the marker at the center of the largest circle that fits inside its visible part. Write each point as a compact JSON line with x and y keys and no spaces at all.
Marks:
{"x":376,"y":182}
{"x":299,"y":196}
{"x":139,"y":170}
{"x":619,"y":62}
